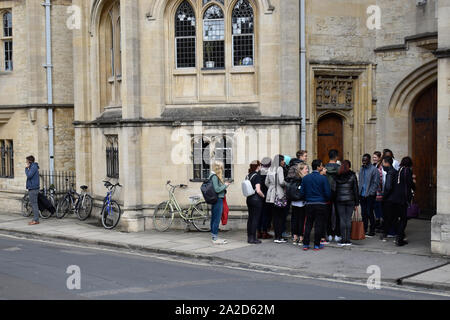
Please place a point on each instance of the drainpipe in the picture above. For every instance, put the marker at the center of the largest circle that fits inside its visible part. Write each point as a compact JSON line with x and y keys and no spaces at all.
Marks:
{"x":303,"y":74}
{"x":49,"y":67}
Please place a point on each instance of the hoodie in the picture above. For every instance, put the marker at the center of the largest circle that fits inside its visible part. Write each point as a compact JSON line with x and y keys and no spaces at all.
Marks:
{"x":32,"y":174}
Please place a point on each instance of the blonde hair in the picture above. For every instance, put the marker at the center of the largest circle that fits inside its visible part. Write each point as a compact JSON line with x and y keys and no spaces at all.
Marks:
{"x":300,"y":168}
{"x":218,"y":168}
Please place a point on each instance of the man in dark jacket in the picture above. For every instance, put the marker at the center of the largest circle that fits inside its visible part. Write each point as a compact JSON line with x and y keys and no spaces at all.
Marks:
{"x":32,"y":173}
{"x":369,"y":180}
{"x":389,"y":206}
{"x":316,"y":190}
{"x":333,"y":224}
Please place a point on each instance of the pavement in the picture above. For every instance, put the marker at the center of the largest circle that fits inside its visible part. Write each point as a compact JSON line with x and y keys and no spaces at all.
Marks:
{"x":412,"y":265}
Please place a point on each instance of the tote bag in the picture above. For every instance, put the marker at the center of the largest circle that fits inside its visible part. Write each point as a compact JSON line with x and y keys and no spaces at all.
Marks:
{"x":357,"y":227}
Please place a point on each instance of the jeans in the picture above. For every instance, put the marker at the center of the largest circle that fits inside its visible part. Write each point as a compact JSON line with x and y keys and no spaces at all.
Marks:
{"x":254,"y":217}
{"x":33,"y":194}
{"x":316,"y":215}
{"x":345,"y":214}
{"x":377,"y":209}
{"x":266,"y":217}
{"x":216,"y":216}
{"x":367,"y":204}
{"x":336,"y":231}
{"x":298,"y":221}
{"x":278,"y":215}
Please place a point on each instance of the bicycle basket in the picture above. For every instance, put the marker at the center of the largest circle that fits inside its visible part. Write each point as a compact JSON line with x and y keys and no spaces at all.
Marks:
{"x":194,"y":199}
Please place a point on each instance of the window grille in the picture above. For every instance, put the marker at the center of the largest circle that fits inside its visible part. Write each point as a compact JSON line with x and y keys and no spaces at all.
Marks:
{"x":214,"y":38}
{"x":185,"y":36}
{"x":8,"y":55}
{"x":112,"y":156}
{"x":243,"y":33}
{"x":207,"y":149}
{"x":6,"y":159}
{"x":7,"y":24}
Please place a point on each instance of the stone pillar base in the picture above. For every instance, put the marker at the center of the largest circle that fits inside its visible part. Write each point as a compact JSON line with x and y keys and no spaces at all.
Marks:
{"x":132,"y":221}
{"x":440,"y":234}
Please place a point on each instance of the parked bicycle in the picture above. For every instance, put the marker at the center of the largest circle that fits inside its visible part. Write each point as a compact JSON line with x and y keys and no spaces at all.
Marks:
{"x":79,"y":203}
{"x":198,"y":213}
{"x":49,"y":193}
{"x":111,"y":210}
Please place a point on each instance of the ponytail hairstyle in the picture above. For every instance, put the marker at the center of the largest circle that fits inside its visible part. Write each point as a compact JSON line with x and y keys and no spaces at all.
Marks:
{"x":253,"y":166}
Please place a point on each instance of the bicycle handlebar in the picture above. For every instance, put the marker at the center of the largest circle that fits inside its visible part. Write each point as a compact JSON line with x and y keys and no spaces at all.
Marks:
{"x":110,"y":185}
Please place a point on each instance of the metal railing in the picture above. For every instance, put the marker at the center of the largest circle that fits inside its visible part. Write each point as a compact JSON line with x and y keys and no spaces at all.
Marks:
{"x":62,"y":181}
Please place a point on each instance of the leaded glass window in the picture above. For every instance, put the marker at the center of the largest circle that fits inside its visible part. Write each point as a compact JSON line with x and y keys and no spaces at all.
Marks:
{"x":243,"y":33}
{"x":185,"y":36}
{"x":214,"y":38}
{"x":7,"y":24}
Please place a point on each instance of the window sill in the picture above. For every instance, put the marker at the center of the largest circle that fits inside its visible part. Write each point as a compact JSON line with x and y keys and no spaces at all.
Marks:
{"x":243,"y":69}
{"x":203,"y":180}
{"x":5,"y":73}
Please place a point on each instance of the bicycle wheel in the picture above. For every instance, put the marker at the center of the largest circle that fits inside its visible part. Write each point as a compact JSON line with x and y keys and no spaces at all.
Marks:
{"x":63,"y":207}
{"x":111,"y":215}
{"x":201,"y":217}
{"x":163,"y":216}
{"x":26,"y":206}
{"x":45,"y":214}
{"x":85,"y":208}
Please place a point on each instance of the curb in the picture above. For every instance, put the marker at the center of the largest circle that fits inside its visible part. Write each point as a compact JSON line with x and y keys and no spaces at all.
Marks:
{"x":427,"y":285}
{"x":388,"y":283}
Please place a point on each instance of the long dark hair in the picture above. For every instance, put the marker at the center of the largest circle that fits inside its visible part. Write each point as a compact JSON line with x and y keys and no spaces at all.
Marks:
{"x":345,"y":167}
{"x":406,"y":162}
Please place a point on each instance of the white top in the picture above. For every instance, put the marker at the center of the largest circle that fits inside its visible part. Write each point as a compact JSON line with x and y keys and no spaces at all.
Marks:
{"x":299,"y":203}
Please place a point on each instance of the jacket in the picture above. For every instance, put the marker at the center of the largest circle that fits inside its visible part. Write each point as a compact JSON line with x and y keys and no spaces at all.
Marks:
{"x":369,"y":179}
{"x":219,"y":187}
{"x":403,"y":187}
{"x":295,"y":161}
{"x":315,"y":188}
{"x":275,"y":187}
{"x":332,"y":172}
{"x":389,"y":185}
{"x":347,"y":188}
{"x":263,"y":174}
{"x":32,"y":174}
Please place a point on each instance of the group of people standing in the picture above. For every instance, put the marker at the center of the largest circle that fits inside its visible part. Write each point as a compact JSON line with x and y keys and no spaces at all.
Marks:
{"x":324,"y":197}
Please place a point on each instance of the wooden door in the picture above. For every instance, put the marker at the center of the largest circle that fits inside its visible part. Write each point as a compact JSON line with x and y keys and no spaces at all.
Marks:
{"x":329,"y":136}
{"x":424,"y":150}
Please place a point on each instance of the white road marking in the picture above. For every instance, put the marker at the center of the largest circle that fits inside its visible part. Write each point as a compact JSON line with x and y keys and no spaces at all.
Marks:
{"x":178,"y":260}
{"x":13,"y":249}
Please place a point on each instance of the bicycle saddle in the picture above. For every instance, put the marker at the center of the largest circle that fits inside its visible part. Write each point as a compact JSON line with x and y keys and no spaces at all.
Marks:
{"x":84,"y":187}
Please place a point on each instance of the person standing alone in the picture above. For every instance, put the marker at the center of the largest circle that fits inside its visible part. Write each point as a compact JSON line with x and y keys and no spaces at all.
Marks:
{"x":32,"y":173}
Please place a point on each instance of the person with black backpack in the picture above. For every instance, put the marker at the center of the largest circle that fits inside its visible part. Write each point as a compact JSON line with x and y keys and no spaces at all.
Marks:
{"x":254,"y":202}
{"x":220,"y":187}
{"x":298,"y":203}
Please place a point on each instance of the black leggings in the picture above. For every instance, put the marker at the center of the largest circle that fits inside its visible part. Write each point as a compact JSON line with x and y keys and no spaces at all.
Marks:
{"x":254,"y":216}
{"x":298,"y":220}
{"x":278,"y":215}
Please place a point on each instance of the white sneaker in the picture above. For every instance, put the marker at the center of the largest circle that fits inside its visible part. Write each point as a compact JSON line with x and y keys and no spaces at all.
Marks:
{"x":330,"y":238}
{"x":341,"y":244}
{"x":220,"y":241}
{"x":337,"y":239}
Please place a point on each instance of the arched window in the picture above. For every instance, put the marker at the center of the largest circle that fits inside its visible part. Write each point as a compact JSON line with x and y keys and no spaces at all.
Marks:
{"x":214,"y":38}
{"x":243,"y":33}
{"x":7,"y":41}
{"x":110,"y":56}
{"x":185,"y":36}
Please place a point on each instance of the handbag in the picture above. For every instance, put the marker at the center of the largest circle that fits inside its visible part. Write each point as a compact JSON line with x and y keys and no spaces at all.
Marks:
{"x":357,"y":226}
{"x":225,"y":211}
{"x":413,"y":210}
{"x":279,"y":202}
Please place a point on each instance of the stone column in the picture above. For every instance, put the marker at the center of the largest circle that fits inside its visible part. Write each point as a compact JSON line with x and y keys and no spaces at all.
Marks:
{"x":83,"y":165}
{"x":440,"y":224}
{"x":130,"y":136}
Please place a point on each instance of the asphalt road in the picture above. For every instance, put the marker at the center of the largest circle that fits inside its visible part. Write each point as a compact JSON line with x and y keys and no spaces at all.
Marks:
{"x":35,"y":269}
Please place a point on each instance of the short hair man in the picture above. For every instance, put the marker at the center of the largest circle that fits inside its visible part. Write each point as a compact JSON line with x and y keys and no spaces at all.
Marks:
{"x":32,"y":173}
{"x":316,"y":190}
{"x":332,"y":169}
{"x":389,"y":153}
{"x":369,"y":180}
{"x":301,"y":156}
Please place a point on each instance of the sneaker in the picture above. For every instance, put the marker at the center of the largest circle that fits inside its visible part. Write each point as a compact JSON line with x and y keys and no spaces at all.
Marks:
{"x":341,"y":244}
{"x":348,"y":244}
{"x":324,"y":242}
{"x":279,"y":241}
{"x":305,"y":247}
{"x":316,"y":248}
{"x":219,"y":241}
{"x":370,"y":234}
{"x":330,"y":238}
{"x":295,"y":242}
{"x":337,"y":239}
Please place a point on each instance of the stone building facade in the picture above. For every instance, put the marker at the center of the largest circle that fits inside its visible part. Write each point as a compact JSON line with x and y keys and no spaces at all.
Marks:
{"x":23,"y":94}
{"x":156,"y":84}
